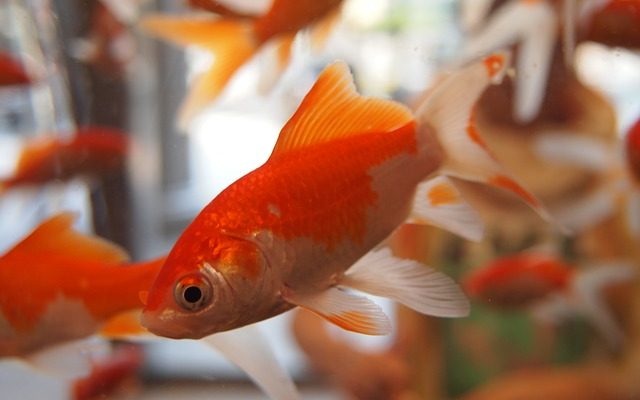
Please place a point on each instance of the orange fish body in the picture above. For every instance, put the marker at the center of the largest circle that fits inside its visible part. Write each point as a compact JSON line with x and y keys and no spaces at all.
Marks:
{"x":59,"y":285}
{"x":345,"y":173}
{"x":236,"y":37}
{"x":11,"y":72}
{"x":518,"y":280}
{"x":551,"y":289}
{"x":91,"y":151}
{"x":616,"y":24}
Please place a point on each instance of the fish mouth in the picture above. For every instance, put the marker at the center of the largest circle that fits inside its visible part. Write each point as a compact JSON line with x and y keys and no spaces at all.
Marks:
{"x":166,"y":324}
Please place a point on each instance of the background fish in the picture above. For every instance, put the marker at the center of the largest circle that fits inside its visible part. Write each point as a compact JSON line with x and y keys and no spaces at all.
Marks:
{"x":552,"y":288}
{"x":75,"y":284}
{"x":234,"y":39}
{"x":12,"y":72}
{"x":91,"y":151}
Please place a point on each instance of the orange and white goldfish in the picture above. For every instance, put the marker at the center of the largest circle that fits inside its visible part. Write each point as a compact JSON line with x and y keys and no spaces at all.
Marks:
{"x":12,"y":72}
{"x":58,"y":285}
{"x":234,"y":39}
{"x":552,"y":287}
{"x":345,"y":172}
{"x":91,"y":151}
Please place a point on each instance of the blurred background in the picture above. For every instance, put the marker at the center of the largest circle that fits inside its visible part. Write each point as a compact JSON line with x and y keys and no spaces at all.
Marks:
{"x":91,"y":66}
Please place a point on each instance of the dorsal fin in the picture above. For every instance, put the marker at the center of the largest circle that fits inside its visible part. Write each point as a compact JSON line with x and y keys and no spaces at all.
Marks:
{"x":333,"y":109}
{"x":57,"y":236}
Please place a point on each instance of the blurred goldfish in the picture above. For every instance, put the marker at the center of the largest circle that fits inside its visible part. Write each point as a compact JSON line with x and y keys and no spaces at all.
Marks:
{"x":234,"y":39}
{"x":91,"y":151}
{"x":346,"y":171}
{"x":12,"y":72}
{"x":58,"y":285}
{"x":552,"y":287}
{"x":613,"y":22}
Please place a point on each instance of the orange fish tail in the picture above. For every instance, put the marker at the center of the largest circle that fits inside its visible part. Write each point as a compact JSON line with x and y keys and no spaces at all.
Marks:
{"x":231,"y":41}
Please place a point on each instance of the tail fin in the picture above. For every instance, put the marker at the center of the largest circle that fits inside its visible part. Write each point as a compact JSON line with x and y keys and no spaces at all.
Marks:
{"x":588,"y":288}
{"x":231,"y":42}
{"x":449,"y":112}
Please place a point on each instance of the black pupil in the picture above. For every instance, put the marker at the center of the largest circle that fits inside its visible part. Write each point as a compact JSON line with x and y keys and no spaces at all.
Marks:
{"x":192,"y":294}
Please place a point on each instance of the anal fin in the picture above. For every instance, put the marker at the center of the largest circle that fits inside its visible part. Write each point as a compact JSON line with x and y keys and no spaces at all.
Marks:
{"x":348,"y":311}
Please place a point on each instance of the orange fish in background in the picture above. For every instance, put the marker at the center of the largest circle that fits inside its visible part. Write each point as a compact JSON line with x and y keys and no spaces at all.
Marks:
{"x":91,"y":151}
{"x":12,"y":72}
{"x":234,"y":39}
{"x":57,"y":285}
{"x":345,"y":172}
{"x":632,"y":150}
{"x":108,"y":45}
{"x":553,"y":288}
{"x":616,"y":23}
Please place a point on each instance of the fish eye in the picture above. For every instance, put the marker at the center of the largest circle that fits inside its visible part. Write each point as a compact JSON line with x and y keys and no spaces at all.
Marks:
{"x":193,"y":292}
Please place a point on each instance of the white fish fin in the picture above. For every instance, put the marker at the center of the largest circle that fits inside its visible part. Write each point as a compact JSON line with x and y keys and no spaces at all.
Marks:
{"x":409,"y":282}
{"x":248,"y":349}
{"x":438,"y":202}
{"x":534,"y":60}
{"x":449,"y":113}
{"x":533,"y":24}
{"x":571,"y":148}
{"x":588,"y":287}
{"x":588,"y":211}
{"x":348,"y":311}
{"x":333,"y":109}
{"x":554,"y":310}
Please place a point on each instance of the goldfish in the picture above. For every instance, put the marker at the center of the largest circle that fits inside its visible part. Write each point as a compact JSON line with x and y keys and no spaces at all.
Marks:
{"x":91,"y":151}
{"x":80,"y":285}
{"x":613,"y":22}
{"x":555,"y":288}
{"x":304,"y":227}
{"x":76,"y":284}
{"x":235,"y":38}
{"x":12,"y":72}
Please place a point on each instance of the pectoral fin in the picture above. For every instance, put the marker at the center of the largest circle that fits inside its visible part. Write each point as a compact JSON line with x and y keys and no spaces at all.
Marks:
{"x":348,"y":311}
{"x":408,"y":282}
{"x":247,"y":348}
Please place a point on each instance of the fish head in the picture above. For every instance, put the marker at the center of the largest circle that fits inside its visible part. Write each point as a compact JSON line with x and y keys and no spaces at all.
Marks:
{"x":198,"y":294}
